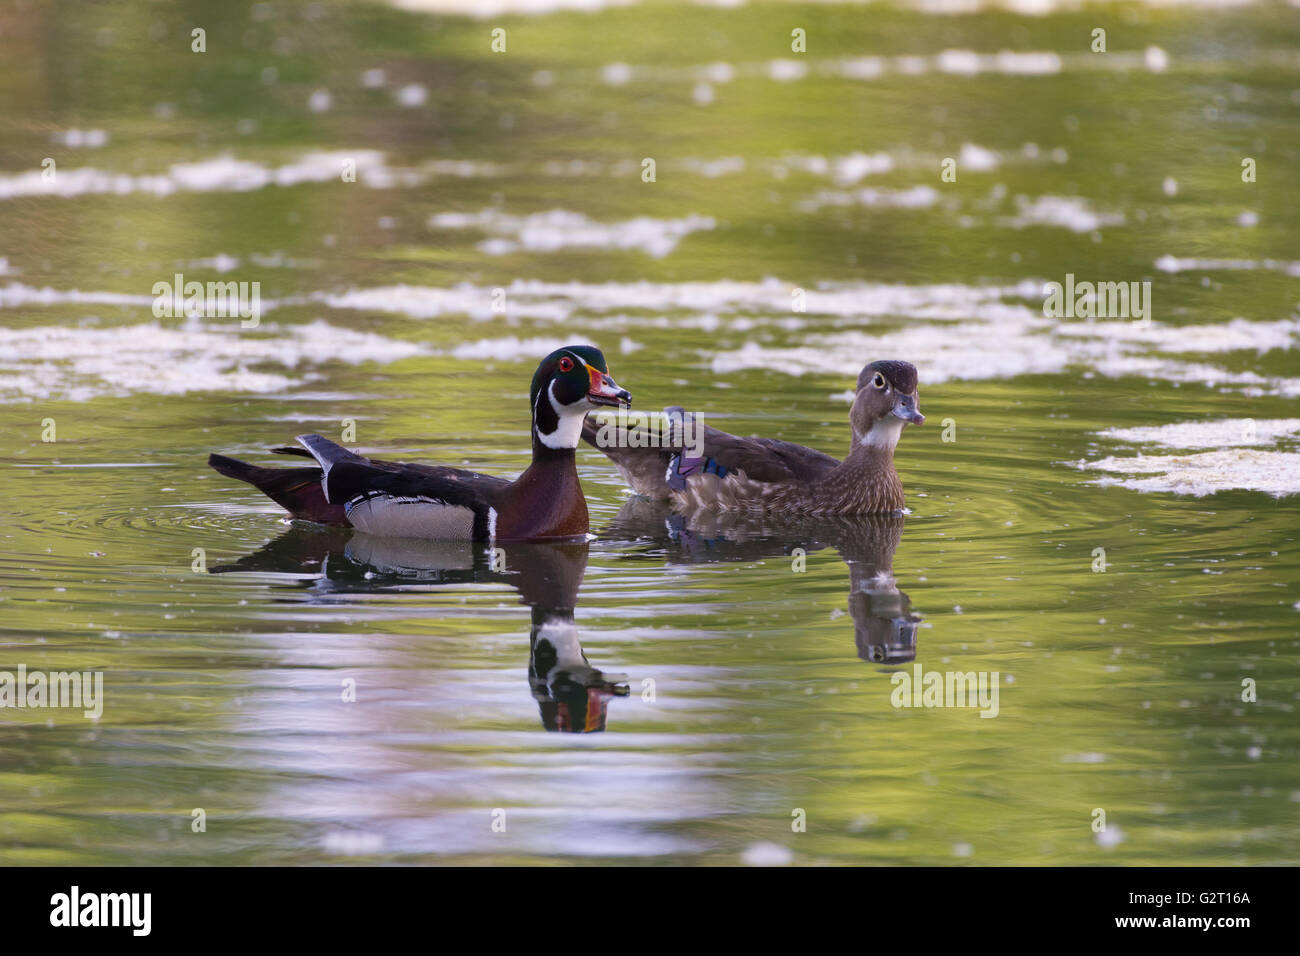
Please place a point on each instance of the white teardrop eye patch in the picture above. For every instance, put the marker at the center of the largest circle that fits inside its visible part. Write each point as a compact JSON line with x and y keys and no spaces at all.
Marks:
{"x":878,"y":381}
{"x":566,"y":364}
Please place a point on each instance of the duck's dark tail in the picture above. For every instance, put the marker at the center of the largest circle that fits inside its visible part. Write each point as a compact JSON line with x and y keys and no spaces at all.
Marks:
{"x":297,"y":490}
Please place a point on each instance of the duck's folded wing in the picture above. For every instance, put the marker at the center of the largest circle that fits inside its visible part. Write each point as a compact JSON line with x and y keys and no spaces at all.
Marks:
{"x":404,"y":500}
{"x":761,"y":459}
{"x":657,"y":471}
{"x":803,"y":463}
{"x":651,"y":459}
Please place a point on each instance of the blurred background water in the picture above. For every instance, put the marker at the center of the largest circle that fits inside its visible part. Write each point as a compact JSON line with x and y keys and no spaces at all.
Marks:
{"x":499,"y":209}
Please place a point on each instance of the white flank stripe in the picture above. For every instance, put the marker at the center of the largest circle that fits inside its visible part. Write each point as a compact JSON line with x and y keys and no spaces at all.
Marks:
{"x":411,"y":517}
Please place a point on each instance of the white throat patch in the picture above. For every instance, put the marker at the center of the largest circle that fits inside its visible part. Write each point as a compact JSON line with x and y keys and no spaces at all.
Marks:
{"x":568,"y":432}
{"x":884,"y":433}
{"x":563,"y":636}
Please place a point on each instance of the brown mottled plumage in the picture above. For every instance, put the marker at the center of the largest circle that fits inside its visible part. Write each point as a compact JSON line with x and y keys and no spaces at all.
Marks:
{"x":768,"y":475}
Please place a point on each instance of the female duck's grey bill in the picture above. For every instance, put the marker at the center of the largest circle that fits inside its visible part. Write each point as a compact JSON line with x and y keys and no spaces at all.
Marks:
{"x":905,"y":408}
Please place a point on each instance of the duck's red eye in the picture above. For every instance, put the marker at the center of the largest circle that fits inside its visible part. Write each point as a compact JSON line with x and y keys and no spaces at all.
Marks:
{"x":566,"y":364}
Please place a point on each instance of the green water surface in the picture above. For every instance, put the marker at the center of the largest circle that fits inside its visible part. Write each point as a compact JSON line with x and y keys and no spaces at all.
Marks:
{"x":756,"y":689}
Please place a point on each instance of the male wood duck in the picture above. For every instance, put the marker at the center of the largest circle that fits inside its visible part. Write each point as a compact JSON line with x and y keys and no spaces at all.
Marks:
{"x":724,"y":472}
{"x":427,"y":501}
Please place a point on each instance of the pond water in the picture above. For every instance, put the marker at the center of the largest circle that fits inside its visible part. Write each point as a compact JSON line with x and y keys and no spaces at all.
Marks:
{"x":1102,"y":511}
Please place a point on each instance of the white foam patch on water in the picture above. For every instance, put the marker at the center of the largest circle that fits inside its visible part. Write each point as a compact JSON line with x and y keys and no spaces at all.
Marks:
{"x":713,"y":168}
{"x":917,"y":197}
{"x":867,"y":68}
{"x":1060,"y":212}
{"x":970,"y":63}
{"x":427,"y":302}
{"x":954,"y":62}
{"x":961,"y":332}
{"x":1174,"y":264}
{"x":1223,"y":433}
{"x":727,"y":301}
{"x":974,"y":158}
{"x":852,"y":168}
{"x":1233,"y":464}
{"x":844,"y":170}
{"x":952,"y":331}
{"x":229,"y":174}
{"x":1040,"y":8}
{"x":991,"y":338}
{"x":560,"y":229}
{"x":320,"y":101}
{"x":784,"y":71}
{"x":1273,"y":472}
{"x":412,"y":95}
{"x":616,"y":74}
{"x":1154,"y":368}
{"x":1234,"y":335}
{"x":1117,"y":349}
{"x":514,"y":349}
{"x":989,"y":347}
{"x":222,"y":263}
{"x":993,"y":349}
{"x":81,"y":138}
{"x":220,"y":174}
{"x":1067,"y":212}
{"x":82,"y":362}
{"x":16,"y":295}
{"x":219,"y":263}
{"x":484,"y":9}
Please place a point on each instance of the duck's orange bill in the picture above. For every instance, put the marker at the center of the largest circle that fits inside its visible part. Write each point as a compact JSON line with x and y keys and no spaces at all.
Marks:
{"x":604,"y":390}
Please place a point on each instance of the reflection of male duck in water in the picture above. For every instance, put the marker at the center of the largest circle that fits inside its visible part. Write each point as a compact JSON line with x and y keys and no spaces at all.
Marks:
{"x":884,"y":624}
{"x":572,"y":696}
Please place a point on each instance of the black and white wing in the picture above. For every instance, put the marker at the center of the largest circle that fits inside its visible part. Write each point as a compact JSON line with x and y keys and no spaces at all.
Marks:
{"x":395,"y":499}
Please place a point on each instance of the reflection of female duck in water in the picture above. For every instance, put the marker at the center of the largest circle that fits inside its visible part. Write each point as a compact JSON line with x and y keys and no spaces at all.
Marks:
{"x":884,"y":624}
{"x":571,"y":695}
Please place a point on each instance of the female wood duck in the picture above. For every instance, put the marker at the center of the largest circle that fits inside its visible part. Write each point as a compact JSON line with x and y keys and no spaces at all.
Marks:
{"x":426,"y":501}
{"x":724,"y":472}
